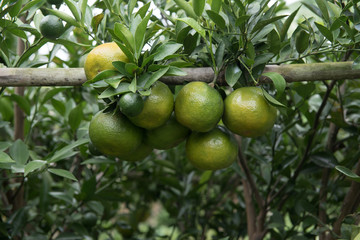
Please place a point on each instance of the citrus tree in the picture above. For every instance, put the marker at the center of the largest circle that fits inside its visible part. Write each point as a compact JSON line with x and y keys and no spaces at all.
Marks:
{"x":136,"y":152}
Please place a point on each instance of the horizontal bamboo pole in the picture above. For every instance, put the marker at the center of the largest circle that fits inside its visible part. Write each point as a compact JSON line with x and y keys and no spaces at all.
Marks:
{"x":76,"y":76}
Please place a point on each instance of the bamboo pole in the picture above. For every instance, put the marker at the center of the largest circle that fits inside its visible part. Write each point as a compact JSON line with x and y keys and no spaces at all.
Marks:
{"x":76,"y":76}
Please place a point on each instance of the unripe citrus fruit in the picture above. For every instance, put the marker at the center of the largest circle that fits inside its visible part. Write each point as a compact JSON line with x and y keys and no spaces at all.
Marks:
{"x":211,"y":150}
{"x":51,"y":27}
{"x":139,"y":154}
{"x":158,"y":107}
{"x":168,"y":135}
{"x":113,"y":134}
{"x":101,"y":58}
{"x":131,"y":104}
{"x":198,"y":106}
{"x":247,"y":112}
{"x":89,"y":219}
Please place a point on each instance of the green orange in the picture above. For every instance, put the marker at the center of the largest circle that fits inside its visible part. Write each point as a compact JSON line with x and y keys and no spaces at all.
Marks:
{"x":113,"y":134}
{"x":51,"y":27}
{"x":168,"y":135}
{"x":198,"y":107}
{"x":248,"y":113}
{"x":158,"y":107}
{"x":211,"y":150}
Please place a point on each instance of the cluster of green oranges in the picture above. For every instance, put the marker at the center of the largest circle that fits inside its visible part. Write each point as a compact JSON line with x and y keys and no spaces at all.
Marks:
{"x":161,"y":121}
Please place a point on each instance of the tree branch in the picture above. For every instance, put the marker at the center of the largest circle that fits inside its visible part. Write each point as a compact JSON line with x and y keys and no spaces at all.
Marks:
{"x":76,"y":76}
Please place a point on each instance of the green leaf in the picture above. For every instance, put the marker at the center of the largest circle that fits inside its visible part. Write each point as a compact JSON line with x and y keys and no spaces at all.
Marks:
{"x":64,"y":16}
{"x":62,"y":173}
{"x":143,"y":10}
{"x":302,"y":41}
{"x":272,"y":100}
{"x":32,"y":49}
{"x":187,"y":8}
{"x":219,"y":55}
{"x":166,"y":50}
{"x":73,"y":8}
{"x":217,"y":19}
{"x":324,"y":31}
{"x":287,"y":23}
{"x":232,"y":74}
{"x":30,"y":4}
{"x":155,"y":76}
{"x":23,"y":103}
{"x":125,"y":36}
{"x":4,"y":145}
{"x":75,"y":117}
{"x":126,"y":51}
{"x":216,"y":5}
{"x":113,"y":82}
{"x":101,"y":76}
{"x":133,"y":85}
{"x":356,"y":63}
{"x":33,"y":165}
{"x":51,"y":93}
{"x":95,"y":21}
{"x":98,"y":161}
{"x":192,"y":23}
{"x":278,"y":80}
{"x":324,"y":11}
{"x":83,"y":10}
{"x":261,"y":24}
{"x":273,"y":40}
{"x":175,"y":71}
{"x":323,"y":159}
{"x":109,"y":92}
{"x":198,"y":7}
{"x":140,"y":35}
{"x":15,"y":9}
{"x":4,"y":158}
{"x":347,"y":172}
{"x":19,"y":152}
{"x":64,"y":152}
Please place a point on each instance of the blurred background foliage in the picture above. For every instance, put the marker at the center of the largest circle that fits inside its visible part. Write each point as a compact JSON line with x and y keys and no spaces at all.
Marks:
{"x":299,"y":168}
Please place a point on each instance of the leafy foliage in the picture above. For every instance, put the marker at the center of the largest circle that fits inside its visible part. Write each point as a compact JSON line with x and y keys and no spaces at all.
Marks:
{"x":164,"y":196}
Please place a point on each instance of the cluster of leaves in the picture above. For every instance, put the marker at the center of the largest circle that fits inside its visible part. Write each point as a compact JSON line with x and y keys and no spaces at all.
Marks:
{"x":65,"y":182}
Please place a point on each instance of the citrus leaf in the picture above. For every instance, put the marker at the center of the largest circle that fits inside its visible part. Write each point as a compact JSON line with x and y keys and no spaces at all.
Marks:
{"x":30,"y":4}
{"x":140,"y":35}
{"x":198,"y":7}
{"x":324,"y":31}
{"x":19,"y":152}
{"x":219,"y":55}
{"x":109,"y":92}
{"x":217,"y":19}
{"x":66,"y":151}
{"x":175,"y":71}
{"x":75,"y":117}
{"x":287,"y":23}
{"x":187,"y":8}
{"x":124,"y":35}
{"x":232,"y":74}
{"x":356,"y":63}
{"x":278,"y":80}
{"x":73,"y":9}
{"x":216,"y":5}
{"x":262,"y":24}
{"x":273,"y":40}
{"x":166,"y":50}
{"x":83,"y":10}
{"x":4,"y":145}
{"x":132,"y":86}
{"x":113,"y":82}
{"x":22,"y":102}
{"x":95,"y":21}
{"x":324,"y":11}
{"x":62,"y":173}
{"x":156,"y":76}
{"x":143,"y":10}
{"x":272,"y":100}
{"x":347,"y":172}
{"x":64,"y":16}
{"x":302,"y":41}
{"x":192,"y":23}
{"x":33,"y":165}
{"x":324,"y":159}
{"x":4,"y":158}
{"x":101,"y":76}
